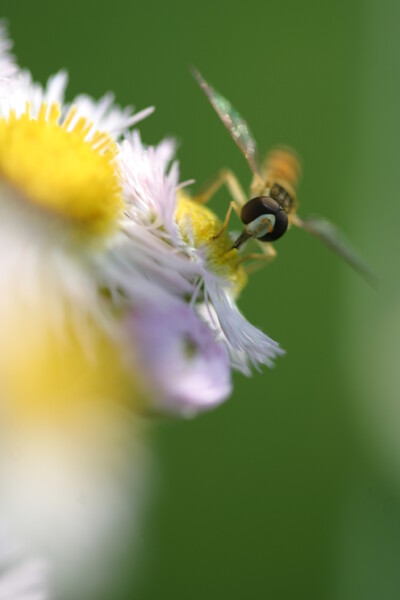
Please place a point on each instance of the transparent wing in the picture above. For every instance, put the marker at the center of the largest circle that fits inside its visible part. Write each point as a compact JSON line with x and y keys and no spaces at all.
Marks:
{"x":232,"y":120}
{"x":332,"y":237}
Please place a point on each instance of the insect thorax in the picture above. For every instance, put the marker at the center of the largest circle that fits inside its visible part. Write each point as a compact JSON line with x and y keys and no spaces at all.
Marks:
{"x":278,"y":190}
{"x":280,"y":174}
{"x":280,"y":193}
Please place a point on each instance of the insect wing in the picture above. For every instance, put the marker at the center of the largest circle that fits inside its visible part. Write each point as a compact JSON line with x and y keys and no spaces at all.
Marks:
{"x":332,"y":237}
{"x":236,"y":125}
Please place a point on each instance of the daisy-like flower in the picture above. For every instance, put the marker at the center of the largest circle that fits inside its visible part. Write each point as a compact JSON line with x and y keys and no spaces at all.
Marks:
{"x":96,"y":227}
{"x":116,"y":295}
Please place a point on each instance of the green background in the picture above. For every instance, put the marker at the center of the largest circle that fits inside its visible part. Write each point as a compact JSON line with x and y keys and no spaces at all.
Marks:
{"x":291,"y":490}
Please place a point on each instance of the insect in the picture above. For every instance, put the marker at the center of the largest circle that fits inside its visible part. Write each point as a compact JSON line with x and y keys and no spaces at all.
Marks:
{"x":272,"y":208}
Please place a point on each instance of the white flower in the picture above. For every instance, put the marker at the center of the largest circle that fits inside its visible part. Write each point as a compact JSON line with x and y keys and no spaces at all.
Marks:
{"x":102,"y":226}
{"x":66,"y":461}
{"x":116,"y":291}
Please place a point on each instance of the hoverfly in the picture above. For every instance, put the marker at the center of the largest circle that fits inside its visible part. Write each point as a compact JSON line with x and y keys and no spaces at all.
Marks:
{"x":272,"y":208}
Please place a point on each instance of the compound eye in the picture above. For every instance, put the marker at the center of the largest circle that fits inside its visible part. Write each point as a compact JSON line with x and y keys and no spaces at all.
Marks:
{"x":264,"y":218}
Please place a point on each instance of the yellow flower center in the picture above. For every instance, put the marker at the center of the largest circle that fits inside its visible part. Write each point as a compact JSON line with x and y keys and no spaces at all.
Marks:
{"x":56,"y":167}
{"x":198,"y":224}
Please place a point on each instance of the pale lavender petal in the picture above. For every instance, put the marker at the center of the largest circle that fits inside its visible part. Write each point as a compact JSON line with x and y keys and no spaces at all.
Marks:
{"x":187,"y":368}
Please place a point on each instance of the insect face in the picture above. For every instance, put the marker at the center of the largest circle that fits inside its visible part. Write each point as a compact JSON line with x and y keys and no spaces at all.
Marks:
{"x":264,"y":218}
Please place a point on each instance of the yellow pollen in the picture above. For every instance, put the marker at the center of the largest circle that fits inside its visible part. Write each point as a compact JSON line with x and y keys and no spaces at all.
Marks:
{"x":200,"y":224}
{"x":56,"y":168}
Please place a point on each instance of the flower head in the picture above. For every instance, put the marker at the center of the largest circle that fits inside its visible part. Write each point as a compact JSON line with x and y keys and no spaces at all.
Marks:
{"x":99,"y":228}
{"x":117,"y":290}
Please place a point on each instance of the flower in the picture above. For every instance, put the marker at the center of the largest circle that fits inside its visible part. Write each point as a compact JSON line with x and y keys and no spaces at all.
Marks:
{"x":70,"y":452}
{"x":97,"y":226}
{"x":118,"y":291}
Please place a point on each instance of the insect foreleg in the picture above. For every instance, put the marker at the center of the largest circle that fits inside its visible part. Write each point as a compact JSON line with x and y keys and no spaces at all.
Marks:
{"x":227,"y":178}
{"x":232,"y":206}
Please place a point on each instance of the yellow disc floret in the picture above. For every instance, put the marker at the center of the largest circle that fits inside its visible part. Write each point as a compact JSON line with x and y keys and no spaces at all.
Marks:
{"x":55,"y":166}
{"x":200,"y":226}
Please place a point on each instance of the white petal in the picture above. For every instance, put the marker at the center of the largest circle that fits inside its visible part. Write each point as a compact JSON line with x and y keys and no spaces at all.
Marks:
{"x":55,"y":88}
{"x":106,"y":115}
{"x":8,"y":65}
{"x":149,"y":188}
{"x":245,"y":342}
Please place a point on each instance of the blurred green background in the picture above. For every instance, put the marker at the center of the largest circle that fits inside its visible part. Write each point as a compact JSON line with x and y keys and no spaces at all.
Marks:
{"x":291,"y":490}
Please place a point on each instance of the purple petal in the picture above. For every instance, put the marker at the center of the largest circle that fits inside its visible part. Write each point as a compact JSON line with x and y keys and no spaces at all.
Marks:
{"x":186,"y":367}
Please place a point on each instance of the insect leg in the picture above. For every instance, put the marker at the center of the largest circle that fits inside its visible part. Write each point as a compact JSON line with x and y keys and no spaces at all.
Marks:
{"x":227,"y":178}
{"x":232,"y":206}
{"x":260,"y":259}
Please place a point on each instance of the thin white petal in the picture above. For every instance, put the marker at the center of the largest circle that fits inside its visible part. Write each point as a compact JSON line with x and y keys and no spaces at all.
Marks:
{"x":55,"y":89}
{"x":246,"y":342}
{"x":106,"y":115}
{"x":8,"y":65}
